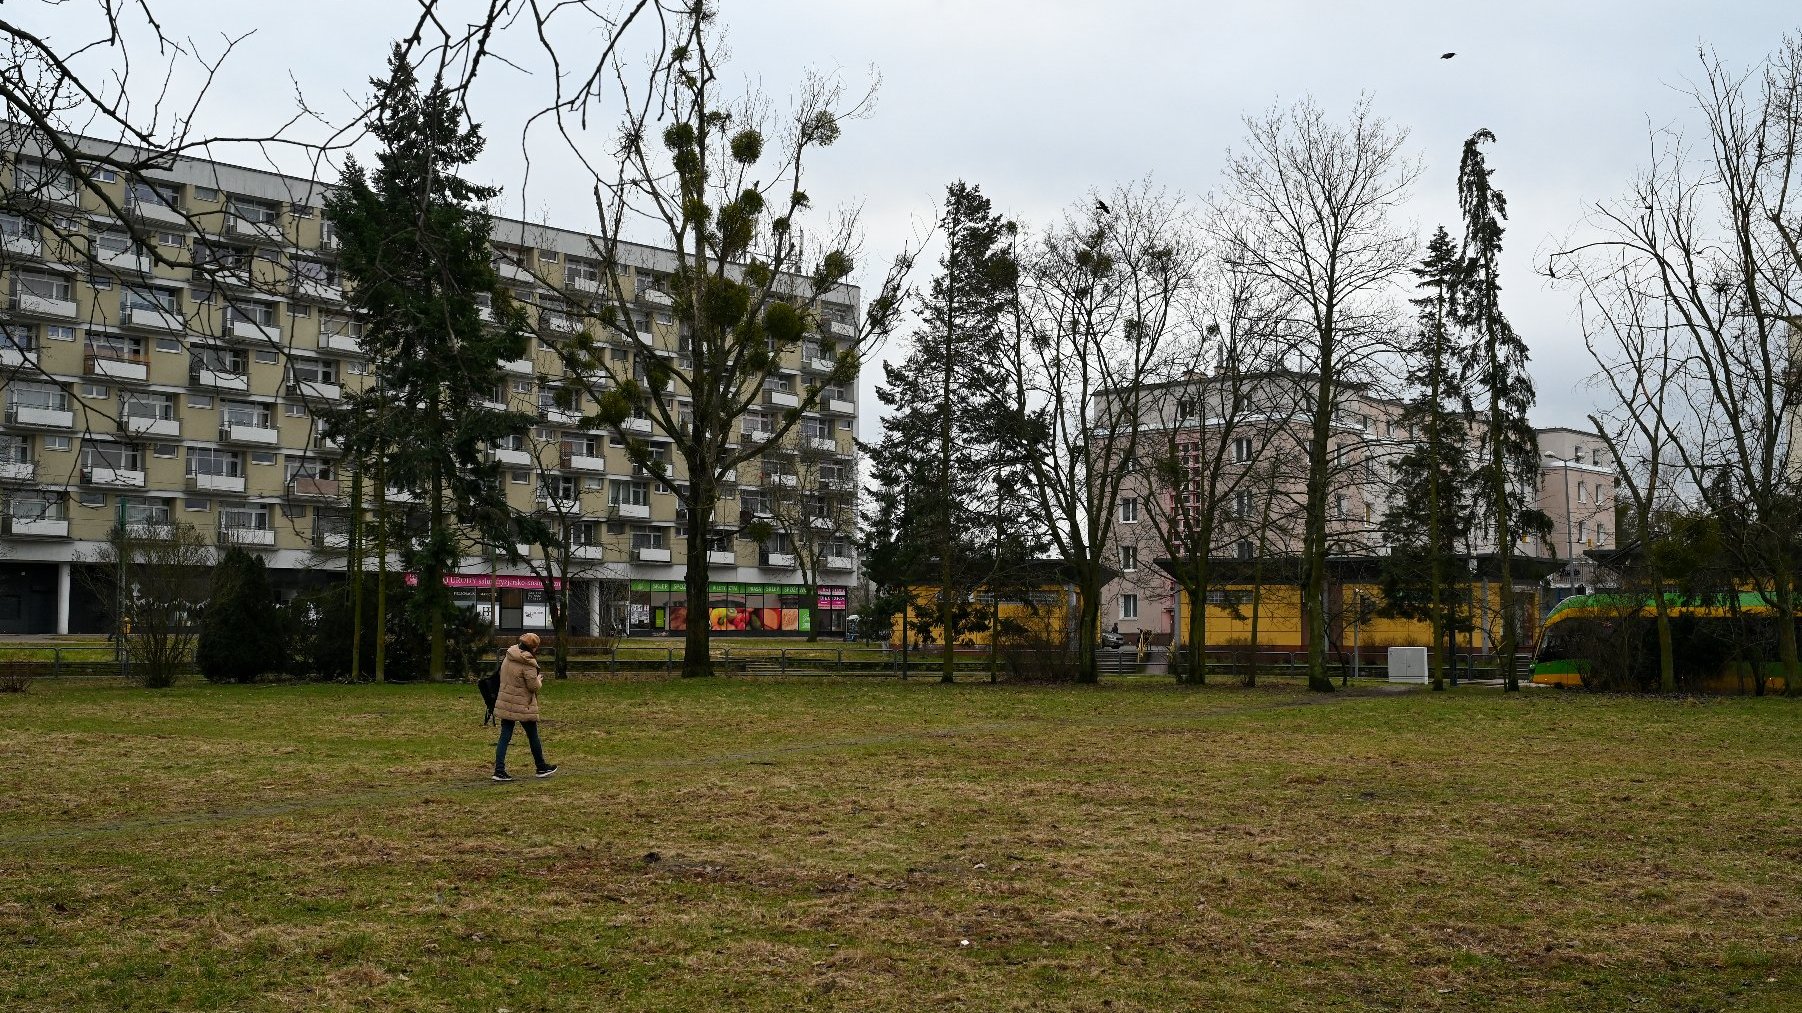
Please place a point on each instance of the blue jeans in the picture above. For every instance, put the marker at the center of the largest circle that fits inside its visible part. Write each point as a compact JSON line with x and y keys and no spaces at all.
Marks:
{"x":500,"y":748}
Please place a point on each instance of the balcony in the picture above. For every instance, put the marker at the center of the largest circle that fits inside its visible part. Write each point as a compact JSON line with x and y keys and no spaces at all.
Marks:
{"x":822,"y":444}
{"x":786,"y":481}
{"x":14,"y":356}
{"x":319,"y":289}
{"x":259,"y":232}
{"x":841,"y":329}
{"x":556,"y":416}
{"x":781,"y":399}
{"x":512,"y":271}
{"x":523,"y":367}
{"x":238,"y":432}
{"x":657,"y":298}
{"x":492,"y":406}
{"x":131,"y":261}
{"x":215,"y":483}
{"x":150,"y":425}
{"x":315,"y":389}
{"x":837,"y":407}
{"x":647,"y":554}
{"x":522,"y":549}
{"x":591,"y":553}
{"x":393,"y":495}
{"x":150,"y":318}
{"x":580,"y":462}
{"x":255,"y":538}
{"x":331,"y":539}
{"x":114,"y":478}
{"x":311,"y":487}
{"x":16,"y":245}
{"x":117,"y":369}
{"x":150,"y":531}
{"x":561,"y":322}
{"x":340,"y":342}
{"x":35,"y":417}
{"x":630,"y":511}
{"x":17,"y":471}
{"x":156,"y":211}
{"x":722,"y":557}
{"x":839,"y":563}
{"x":218,"y":379}
{"x":559,"y":505}
{"x":250,"y":330}
{"x":35,"y":527}
{"x":43,"y":306}
{"x":633,"y":424}
{"x":778,"y":560}
{"x":516,"y":458}
{"x":818,"y":364}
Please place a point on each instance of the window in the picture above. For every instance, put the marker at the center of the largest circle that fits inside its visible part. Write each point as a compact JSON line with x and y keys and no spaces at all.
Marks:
{"x":114,"y":346}
{"x":168,"y":451}
{"x":252,"y":210}
{"x":1601,"y":534}
{"x":1338,"y":504}
{"x":36,"y":395}
{"x":94,"y":392}
{"x":1244,"y":549}
{"x":212,"y":461}
{"x":267,"y":356}
{"x":20,"y":337}
{"x":314,"y":370}
{"x":1129,"y":510}
{"x":197,"y":505}
{"x":168,"y":344}
{"x":59,"y":332}
{"x":628,"y":493}
{"x":200,"y":400}
{"x":146,"y":405}
{"x":1129,"y":606}
{"x":176,"y":239}
{"x":262,"y":457}
{"x":582,"y":272}
{"x":43,"y":286}
{"x":244,"y":516}
{"x":299,"y":309}
{"x":91,"y":499}
{"x":519,"y":477}
{"x":1580,"y":526}
{"x":1242,"y":504}
{"x":56,"y":443}
{"x":1185,"y":409}
{"x":1242,"y":449}
{"x":294,"y":410}
{"x":244,"y":413}
{"x":1577,"y":455}
{"x":205,"y":193}
{"x":149,"y":299}
{"x":1582,"y":493}
{"x":1129,"y":558}
{"x":116,"y":456}
{"x":302,"y":211}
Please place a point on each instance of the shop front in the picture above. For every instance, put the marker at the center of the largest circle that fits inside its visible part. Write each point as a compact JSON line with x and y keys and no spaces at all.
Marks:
{"x":661,"y":606}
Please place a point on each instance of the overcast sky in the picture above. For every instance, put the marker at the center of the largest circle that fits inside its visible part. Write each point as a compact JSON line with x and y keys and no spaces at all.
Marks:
{"x":1039,"y":101}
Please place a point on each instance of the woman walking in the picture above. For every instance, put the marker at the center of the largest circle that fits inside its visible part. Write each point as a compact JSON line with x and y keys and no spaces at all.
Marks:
{"x":518,"y":701}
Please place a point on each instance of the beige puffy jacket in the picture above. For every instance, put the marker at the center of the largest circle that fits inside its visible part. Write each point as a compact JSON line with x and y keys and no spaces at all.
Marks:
{"x":520,"y":682}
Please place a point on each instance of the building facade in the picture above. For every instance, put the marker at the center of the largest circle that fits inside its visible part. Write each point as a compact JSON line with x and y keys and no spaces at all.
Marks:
{"x":184,"y":385}
{"x":1247,"y":446}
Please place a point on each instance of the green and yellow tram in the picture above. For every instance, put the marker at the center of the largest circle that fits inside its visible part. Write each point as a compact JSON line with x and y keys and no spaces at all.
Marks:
{"x":1720,"y":644}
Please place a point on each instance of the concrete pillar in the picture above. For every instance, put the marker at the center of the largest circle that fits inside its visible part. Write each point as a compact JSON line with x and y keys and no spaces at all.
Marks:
{"x":62,"y":598}
{"x":594,"y":608}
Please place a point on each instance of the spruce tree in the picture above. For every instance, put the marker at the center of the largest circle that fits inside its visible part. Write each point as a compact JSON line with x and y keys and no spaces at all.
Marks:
{"x":1495,"y":362}
{"x":940,"y":437}
{"x":240,"y":631}
{"x":415,"y":250}
{"x":1429,"y":511}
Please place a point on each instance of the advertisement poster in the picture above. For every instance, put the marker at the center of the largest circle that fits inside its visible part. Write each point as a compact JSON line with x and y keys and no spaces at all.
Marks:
{"x":537,"y":612}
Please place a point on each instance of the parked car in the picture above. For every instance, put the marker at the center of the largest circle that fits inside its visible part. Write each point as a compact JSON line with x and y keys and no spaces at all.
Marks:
{"x":1112,"y":640}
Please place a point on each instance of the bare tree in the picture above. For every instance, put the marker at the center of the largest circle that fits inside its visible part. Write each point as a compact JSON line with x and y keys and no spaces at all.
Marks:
{"x":154,"y":580}
{"x":1212,"y":418}
{"x":1307,"y":206}
{"x":1713,"y":236}
{"x":720,"y":180}
{"x":812,"y":496}
{"x":1101,"y":293}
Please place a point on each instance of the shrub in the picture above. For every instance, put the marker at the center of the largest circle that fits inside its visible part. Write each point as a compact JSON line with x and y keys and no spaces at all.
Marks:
{"x":324,"y":625}
{"x":15,"y":676}
{"x":241,"y":628}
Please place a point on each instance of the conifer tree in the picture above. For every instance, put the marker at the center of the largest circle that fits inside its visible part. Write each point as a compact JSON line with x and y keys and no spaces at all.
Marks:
{"x":1495,"y":362}
{"x":940,"y":437}
{"x":240,"y":631}
{"x":1429,"y":511}
{"x":415,"y":249}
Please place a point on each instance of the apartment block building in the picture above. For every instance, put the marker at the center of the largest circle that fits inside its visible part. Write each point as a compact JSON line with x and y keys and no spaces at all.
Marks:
{"x":144,"y":388}
{"x":1246,"y":432}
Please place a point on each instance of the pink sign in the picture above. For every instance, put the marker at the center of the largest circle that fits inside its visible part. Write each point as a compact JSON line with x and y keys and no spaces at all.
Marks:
{"x":483,"y":580}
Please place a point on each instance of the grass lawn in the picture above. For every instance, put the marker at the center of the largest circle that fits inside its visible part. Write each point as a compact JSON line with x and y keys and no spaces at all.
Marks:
{"x":871,"y":844}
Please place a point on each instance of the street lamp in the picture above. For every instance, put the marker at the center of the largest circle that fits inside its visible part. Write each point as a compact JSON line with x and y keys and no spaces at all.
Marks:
{"x":1570,"y":546}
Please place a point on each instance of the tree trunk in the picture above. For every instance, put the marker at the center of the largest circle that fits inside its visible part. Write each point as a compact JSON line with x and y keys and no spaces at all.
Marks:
{"x":697,"y":657}
{"x":1196,"y":648}
{"x":1667,"y":667}
{"x":1088,"y":661}
{"x":381,"y":572}
{"x":1314,"y":549}
{"x":437,"y":594}
{"x":354,"y":566}
{"x":1786,"y":637}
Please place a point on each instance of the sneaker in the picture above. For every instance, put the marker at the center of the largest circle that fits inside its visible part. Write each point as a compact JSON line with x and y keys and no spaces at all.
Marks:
{"x":548,"y":771}
{"x":501,"y":775}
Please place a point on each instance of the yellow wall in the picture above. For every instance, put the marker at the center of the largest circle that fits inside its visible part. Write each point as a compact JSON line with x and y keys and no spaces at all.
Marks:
{"x":1280,"y":627}
{"x":1046,"y":621}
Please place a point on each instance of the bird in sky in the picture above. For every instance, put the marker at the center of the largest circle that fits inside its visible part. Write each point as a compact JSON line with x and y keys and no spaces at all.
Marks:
{"x":1447,"y":56}
{"x":1102,"y":207}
